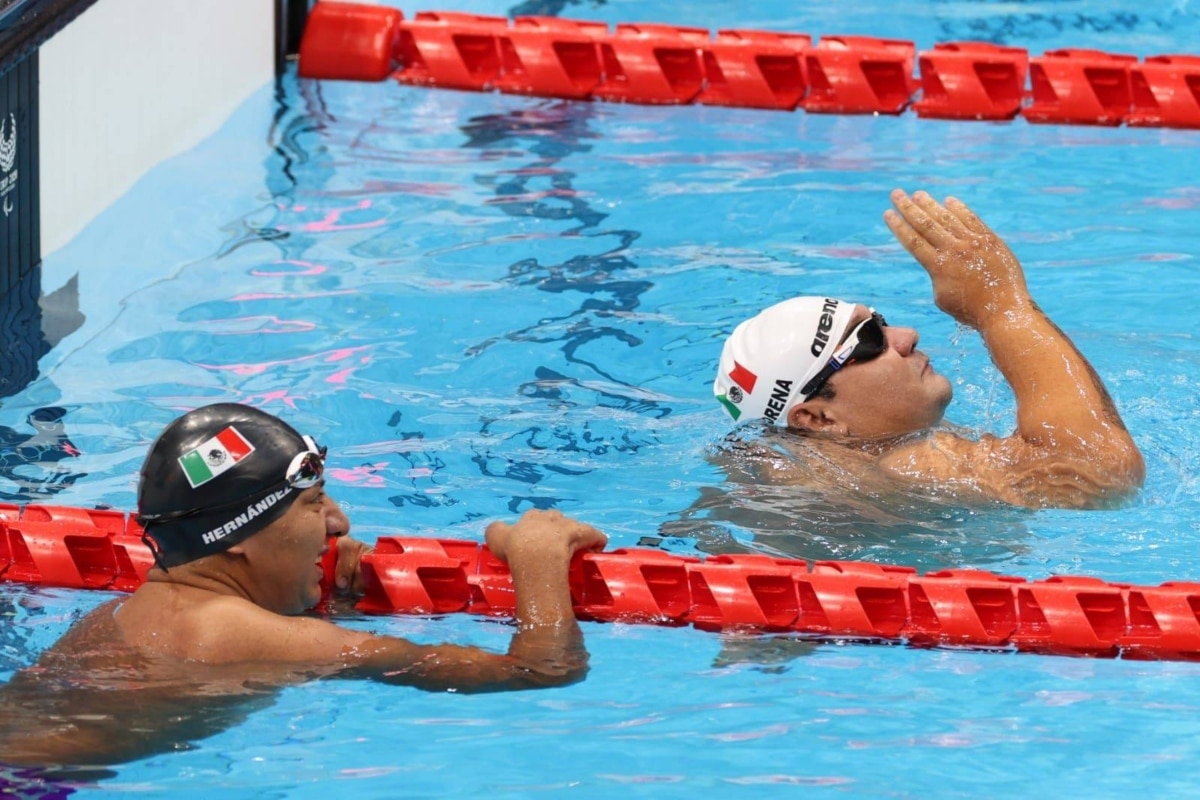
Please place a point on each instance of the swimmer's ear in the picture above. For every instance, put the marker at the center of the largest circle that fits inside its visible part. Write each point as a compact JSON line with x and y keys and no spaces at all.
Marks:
{"x":815,"y":417}
{"x":238,"y":549}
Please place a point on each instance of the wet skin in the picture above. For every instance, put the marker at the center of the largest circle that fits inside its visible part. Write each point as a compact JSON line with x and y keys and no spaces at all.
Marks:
{"x":198,"y":647}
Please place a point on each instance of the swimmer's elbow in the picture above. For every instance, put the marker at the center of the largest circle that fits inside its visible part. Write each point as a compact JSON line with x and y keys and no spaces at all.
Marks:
{"x":558,"y":675}
{"x":1121,"y":468}
{"x":1104,"y":480}
{"x":1135,"y":466}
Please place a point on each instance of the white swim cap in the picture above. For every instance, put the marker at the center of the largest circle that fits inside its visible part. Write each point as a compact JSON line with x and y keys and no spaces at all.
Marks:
{"x":770,"y":356}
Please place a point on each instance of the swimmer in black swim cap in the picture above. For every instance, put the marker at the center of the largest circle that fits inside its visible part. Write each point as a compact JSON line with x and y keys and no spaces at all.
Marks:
{"x":219,"y":474}
{"x":195,"y":648}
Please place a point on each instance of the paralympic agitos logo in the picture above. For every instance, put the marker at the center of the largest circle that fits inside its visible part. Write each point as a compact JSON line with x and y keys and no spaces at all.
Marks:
{"x":8,"y":160}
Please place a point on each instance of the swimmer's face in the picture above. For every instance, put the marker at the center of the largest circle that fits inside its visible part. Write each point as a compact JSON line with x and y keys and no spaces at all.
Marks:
{"x":287,"y":553}
{"x":894,"y":393}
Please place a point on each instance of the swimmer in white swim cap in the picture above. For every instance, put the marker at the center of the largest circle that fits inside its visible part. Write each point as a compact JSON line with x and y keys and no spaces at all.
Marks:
{"x":837,"y":373}
{"x":787,"y":354}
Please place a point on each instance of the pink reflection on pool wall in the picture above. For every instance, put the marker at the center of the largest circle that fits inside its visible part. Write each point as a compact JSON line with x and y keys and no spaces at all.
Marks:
{"x":1185,"y":198}
{"x":389,"y":188}
{"x":341,"y":376}
{"x":290,"y":295}
{"x":262,"y":366}
{"x":365,"y":475}
{"x":331,"y":222}
{"x":266,"y":398}
{"x":304,"y":268}
{"x":266,"y":324}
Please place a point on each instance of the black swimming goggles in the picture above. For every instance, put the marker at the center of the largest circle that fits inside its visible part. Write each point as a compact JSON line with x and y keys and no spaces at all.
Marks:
{"x":867,"y":341}
{"x":306,"y":469}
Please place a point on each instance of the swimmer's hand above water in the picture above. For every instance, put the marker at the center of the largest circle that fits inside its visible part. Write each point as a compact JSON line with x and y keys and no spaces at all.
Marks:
{"x":538,"y":548}
{"x":976,"y":278}
{"x":348,"y":577}
{"x":1070,"y":448}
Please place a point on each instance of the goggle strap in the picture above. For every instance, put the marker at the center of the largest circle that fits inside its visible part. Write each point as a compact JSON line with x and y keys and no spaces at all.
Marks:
{"x":839,"y":359}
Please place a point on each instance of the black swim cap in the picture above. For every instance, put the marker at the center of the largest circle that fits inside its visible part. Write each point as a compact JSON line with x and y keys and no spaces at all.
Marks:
{"x":217,"y":475}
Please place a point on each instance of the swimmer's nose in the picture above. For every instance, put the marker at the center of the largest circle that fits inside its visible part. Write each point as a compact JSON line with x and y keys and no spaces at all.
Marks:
{"x":336,"y":521}
{"x":904,"y":340}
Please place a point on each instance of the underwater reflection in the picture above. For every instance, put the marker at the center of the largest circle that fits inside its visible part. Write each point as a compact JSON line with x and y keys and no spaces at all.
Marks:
{"x":29,"y":462}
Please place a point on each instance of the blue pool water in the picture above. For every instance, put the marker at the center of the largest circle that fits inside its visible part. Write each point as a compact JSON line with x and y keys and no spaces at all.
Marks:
{"x":485,"y":304}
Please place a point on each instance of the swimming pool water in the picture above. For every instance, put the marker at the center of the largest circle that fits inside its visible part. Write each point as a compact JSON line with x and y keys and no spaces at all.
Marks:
{"x":485,"y":303}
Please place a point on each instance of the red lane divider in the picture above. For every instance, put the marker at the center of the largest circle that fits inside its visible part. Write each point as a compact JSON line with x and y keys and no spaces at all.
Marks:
{"x":755,"y":69}
{"x":671,"y":64}
{"x":76,"y":548}
{"x":859,"y":75}
{"x":1080,"y":86}
{"x":1076,"y":616}
{"x":455,"y":51}
{"x":972,"y":80}
{"x":1166,"y":92}
{"x":568,"y":68}
{"x":354,"y":43}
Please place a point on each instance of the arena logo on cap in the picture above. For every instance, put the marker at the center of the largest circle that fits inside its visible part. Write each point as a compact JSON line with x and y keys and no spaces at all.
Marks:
{"x":215,"y":456}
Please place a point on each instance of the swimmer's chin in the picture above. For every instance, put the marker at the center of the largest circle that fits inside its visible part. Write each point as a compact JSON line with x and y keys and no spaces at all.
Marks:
{"x":947,"y":393}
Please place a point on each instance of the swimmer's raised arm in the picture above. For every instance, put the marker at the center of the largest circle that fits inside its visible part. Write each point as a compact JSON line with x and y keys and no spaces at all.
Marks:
{"x":1070,"y":447}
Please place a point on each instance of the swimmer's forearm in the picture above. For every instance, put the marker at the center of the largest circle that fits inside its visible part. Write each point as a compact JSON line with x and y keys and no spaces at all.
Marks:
{"x":540,"y":581}
{"x":1055,"y":386}
{"x":533,"y":662}
{"x":548,"y":639}
{"x":547,"y":648}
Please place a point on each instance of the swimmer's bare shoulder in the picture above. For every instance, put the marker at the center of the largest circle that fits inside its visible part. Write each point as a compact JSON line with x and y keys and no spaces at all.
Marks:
{"x":1012,"y":470}
{"x":192,"y":624}
{"x":221,"y":630}
{"x":788,"y":459}
{"x":754,"y":461}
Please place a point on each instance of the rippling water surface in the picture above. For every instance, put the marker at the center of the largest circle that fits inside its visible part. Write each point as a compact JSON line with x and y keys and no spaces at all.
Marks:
{"x":485,"y":304}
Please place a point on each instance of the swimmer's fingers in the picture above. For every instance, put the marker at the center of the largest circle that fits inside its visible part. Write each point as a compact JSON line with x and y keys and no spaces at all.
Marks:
{"x":984,"y":239}
{"x":543,"y":532}
{"x":348,"y":574}
{"x":968,"y":218}
{"x":946,"y":219}
{"x":912,"y":241}
{"x":496,"y":538}
{"x":585,"y":538}
{"x":922,"y":217}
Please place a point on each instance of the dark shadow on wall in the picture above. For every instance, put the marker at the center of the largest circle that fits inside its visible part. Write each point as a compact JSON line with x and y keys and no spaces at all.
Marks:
{"x":30,"y":325}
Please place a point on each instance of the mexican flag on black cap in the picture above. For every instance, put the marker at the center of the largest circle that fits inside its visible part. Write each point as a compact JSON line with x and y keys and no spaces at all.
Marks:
{"x":215,"y":456}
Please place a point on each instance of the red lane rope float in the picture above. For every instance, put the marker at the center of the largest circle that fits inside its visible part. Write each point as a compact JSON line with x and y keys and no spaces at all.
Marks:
{"x":669,"y":64}
{"x":1078,"y":616}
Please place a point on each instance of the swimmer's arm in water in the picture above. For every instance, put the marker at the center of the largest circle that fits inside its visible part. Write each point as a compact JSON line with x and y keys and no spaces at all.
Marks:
{"x":1068,"y":428}
{"x":546,"y":650}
